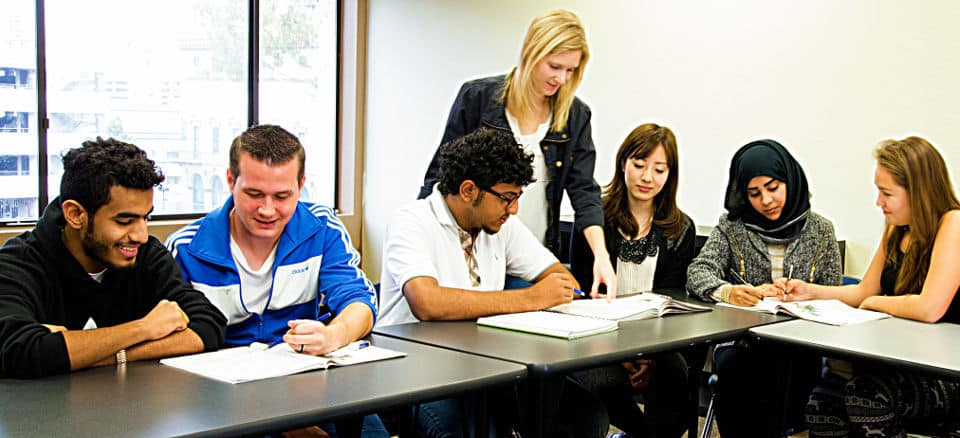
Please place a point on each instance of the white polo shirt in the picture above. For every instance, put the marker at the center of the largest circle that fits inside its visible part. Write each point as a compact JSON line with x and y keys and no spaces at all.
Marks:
{"x":423,"y":241}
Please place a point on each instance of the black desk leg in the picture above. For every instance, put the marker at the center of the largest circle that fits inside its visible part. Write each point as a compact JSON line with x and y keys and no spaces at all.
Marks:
{"x":696,"y":359}
{"x":483,"y":415}
{"x":540,"y":405}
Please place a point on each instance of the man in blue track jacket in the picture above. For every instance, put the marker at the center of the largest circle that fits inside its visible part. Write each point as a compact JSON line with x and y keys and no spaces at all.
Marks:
{"x":276,"y":267}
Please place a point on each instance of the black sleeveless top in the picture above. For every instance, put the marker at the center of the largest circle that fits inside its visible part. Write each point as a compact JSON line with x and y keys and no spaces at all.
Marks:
{"x":888,"y":282}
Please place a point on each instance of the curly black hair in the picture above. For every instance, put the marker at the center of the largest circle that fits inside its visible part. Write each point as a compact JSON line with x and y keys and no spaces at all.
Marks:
{"x":269,"y":144}
{"x":485,"y":156}
{"x":91,"y":170}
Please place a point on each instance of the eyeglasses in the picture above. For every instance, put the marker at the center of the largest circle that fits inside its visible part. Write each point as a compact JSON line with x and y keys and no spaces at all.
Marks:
{"x":504,"y":198}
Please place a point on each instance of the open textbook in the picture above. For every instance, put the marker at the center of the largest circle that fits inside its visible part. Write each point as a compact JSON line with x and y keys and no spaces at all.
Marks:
{"x":586,"y":317}
{"x":640,"y":306}
{"x":550,"y":323}
{"x":257,"y":361}
{"x":834,"y":312}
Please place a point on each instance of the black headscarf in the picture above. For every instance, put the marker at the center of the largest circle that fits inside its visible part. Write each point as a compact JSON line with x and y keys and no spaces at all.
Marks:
{"x":768,"y":158}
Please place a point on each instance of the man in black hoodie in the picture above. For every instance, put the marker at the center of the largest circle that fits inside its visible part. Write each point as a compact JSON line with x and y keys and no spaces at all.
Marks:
{"x":90,"y":262}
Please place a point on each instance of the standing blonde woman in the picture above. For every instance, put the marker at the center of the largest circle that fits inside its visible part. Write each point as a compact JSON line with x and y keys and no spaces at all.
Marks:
{"x":536,"y":103}
{"x":913,"y":275}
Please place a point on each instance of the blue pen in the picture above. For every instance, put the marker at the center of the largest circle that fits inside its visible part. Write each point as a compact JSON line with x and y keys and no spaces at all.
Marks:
{"x":275,"y":343}
{"x":358,"y":345}
{"x":579,"y":292}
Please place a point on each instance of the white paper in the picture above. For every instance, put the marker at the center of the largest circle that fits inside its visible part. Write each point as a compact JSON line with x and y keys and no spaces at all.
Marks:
{"x":255,"y":362}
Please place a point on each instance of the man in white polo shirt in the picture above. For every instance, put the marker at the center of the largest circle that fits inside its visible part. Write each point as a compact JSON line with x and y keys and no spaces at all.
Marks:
{"x":446,"y":257}
{"x":445,"y":254}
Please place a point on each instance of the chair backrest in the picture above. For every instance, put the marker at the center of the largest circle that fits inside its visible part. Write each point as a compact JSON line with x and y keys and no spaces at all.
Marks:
{"x":698,"y":243}
{"x":850,"y":280}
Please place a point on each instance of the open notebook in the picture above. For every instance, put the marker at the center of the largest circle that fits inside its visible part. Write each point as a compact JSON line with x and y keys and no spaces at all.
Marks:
{"x":834,"y":312}
{"x":586,"y":317}
{"x":550,"y":323}
{"x":640,"y":306}
{"x":256,"y":361}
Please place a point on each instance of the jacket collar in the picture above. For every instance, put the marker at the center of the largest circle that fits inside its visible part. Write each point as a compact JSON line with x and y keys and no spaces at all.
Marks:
{"x":495,"y":115}
{"x":212,"y":241}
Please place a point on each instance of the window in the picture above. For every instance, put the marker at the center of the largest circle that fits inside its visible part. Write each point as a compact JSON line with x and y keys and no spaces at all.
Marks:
{"x":198,"y":191}
{"x":18,"y":110}
{"x":8,"y":165}
{"x":215,"y":139}
{"x":298,"y":80}
{"x":143,"y":87}
{"x":168,"y":78}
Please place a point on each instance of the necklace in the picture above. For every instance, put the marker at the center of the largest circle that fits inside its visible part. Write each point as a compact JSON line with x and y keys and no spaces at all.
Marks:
{"x":635,"y":251}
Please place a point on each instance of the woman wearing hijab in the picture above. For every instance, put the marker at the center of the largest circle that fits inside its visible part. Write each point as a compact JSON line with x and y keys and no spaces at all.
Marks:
{"x":769,"y":232}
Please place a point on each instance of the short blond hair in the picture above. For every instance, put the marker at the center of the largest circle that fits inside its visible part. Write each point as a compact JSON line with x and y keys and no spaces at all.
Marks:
{"x":554,"y":32}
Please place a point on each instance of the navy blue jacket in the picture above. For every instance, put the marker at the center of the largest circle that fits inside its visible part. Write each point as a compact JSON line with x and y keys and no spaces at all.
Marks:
{"x":569,"y":155}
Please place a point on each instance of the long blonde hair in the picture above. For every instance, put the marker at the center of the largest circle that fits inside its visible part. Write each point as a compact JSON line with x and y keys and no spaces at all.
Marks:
{"x":916,"y":166}
{"x":554,"y":32}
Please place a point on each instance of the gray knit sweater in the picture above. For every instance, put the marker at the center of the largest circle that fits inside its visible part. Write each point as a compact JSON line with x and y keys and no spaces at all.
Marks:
{"x":815,"y":252}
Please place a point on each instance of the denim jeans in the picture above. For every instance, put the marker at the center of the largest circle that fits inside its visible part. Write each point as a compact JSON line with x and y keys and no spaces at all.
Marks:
{"x":443,"y":419}
{"x":372,"y":427}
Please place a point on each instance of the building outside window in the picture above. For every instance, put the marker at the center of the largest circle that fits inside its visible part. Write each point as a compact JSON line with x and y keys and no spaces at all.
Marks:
{"x":162,"y":75}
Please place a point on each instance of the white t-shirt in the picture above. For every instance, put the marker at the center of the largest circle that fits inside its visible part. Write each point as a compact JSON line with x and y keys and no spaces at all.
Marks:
{"x":533,"y":204}
{"x":423,"y":241}
{"x":255,"y":285}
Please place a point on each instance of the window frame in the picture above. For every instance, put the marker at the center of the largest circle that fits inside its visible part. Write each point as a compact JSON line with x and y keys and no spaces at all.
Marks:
{"x":253,"y":100}
{"x":349,"y":138}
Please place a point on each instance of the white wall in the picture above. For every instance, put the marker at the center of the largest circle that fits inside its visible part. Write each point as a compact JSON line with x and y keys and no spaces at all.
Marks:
{"x":828,"y":79}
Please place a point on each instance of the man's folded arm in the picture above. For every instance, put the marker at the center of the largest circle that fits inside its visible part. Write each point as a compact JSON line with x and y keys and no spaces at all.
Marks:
{"x":206,"y":321}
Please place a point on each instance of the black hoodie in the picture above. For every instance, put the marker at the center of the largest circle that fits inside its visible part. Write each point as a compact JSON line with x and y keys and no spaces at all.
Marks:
{"x":42,"y":283}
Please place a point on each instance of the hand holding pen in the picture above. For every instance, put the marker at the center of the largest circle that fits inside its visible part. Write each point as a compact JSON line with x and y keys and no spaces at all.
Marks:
{"x":795,"y":289}
{"x":743,"y":294}
{"x":553,"y":289}
{"x":783,"y":284}
{"x":309,"y":336}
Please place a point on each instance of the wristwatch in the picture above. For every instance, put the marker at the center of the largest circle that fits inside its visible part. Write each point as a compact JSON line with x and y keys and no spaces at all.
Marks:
{"x":121,"y":357}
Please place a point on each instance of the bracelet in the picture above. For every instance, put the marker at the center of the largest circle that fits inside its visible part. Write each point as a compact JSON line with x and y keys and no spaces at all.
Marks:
{"x":121,"y":357}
